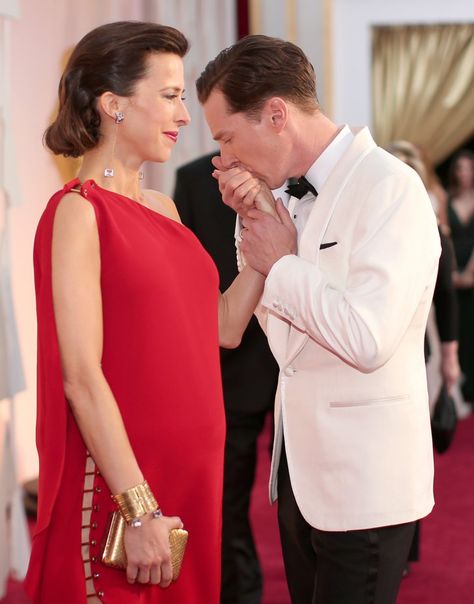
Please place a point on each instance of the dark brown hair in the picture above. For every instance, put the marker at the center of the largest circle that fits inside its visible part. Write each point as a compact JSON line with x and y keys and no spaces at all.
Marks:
{"x":453,"y":178}
{"x":111,"y":58}
{"x":257,"y":68}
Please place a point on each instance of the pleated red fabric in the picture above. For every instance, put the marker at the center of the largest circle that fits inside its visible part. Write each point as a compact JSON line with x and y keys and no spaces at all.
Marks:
{"x":161,"y":360}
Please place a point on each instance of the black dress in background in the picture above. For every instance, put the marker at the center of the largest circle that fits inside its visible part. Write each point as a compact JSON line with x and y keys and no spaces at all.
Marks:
{"x":462,"y":236}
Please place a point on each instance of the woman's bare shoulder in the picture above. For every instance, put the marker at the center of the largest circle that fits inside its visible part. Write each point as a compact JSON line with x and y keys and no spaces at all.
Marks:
{"x":162,"y":203}
{"x":74,"y":213}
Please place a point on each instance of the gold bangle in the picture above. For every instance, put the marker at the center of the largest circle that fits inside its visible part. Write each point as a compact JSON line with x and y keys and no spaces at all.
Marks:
{"x":136,"y":502}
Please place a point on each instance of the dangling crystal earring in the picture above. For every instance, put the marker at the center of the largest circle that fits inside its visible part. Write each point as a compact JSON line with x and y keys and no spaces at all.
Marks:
{"x":119,"y":117}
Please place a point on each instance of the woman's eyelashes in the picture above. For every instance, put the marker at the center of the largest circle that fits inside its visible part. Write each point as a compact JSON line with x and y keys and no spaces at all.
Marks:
{"x":172,"y":97}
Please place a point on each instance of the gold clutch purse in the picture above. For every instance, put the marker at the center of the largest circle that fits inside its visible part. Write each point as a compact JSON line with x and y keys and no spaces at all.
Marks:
{"x":113,"y":551}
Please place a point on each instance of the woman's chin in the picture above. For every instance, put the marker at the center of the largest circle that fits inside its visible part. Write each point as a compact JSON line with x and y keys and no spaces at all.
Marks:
{"x":160,"y":156}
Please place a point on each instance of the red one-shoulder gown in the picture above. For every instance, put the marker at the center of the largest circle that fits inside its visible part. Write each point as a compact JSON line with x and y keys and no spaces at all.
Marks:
{"x":161,"y":360}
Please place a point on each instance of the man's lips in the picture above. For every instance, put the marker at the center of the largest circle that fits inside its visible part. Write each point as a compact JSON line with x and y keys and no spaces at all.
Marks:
{"x":173,"y":135}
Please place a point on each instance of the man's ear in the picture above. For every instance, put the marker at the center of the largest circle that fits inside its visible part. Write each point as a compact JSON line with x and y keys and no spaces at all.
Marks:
{"x":110,"y":103}
{"x":276,"y":111}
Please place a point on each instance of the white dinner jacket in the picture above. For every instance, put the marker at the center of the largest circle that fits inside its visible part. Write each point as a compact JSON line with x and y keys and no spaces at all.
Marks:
{"x":346,"y":324}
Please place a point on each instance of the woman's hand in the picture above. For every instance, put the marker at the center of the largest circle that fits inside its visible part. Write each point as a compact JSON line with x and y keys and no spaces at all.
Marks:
{"x":148,"y":550}
{"x":242,"y":191}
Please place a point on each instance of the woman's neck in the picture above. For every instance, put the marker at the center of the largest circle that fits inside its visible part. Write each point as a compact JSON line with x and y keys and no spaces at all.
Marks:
{"x":124,"y":179}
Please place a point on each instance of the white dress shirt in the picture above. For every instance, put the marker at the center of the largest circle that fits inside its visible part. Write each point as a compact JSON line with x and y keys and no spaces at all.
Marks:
{"x":317,"y":175}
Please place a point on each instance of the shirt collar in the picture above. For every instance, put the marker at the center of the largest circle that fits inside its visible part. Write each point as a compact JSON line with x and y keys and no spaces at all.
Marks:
{"x":323,"y":166}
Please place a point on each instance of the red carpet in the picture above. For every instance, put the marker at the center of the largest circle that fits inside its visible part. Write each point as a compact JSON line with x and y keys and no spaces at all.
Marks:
{"x":265,"y":525}
{"x":445,"y":573}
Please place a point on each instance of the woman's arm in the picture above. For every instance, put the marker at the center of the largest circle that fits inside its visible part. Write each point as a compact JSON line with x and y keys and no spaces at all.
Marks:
{"x":446,"y":313}
{"x":237,"y":305}
{"x":78,"y":314}
{"x":243,"y":192}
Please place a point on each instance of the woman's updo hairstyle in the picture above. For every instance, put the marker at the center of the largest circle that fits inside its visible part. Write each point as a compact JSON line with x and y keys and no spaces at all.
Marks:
{"x":110,"y":58}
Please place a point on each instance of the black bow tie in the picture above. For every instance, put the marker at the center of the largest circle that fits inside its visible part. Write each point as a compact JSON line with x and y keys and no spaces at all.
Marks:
{"x":299,"y":187}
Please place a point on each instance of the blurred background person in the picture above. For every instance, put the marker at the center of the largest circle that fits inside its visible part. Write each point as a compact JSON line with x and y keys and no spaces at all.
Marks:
{"x":444,"y":302}
{"x":249,"y":376}
{"x":461,"y":223}
{"x":436,"y":191}
{"x":444,"y":299}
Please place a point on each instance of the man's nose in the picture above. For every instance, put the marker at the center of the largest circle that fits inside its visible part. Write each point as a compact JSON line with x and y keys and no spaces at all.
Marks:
{"x":228,"y":159}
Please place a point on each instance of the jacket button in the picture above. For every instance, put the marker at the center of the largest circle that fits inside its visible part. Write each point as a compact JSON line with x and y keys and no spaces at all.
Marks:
{"x":289,"y":371}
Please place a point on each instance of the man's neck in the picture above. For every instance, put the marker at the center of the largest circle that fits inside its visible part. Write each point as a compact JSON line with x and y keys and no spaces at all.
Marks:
{"x":315,"y":132}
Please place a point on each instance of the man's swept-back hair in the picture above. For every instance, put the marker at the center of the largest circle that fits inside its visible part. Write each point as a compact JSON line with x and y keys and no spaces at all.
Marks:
{"x":257,"y":68}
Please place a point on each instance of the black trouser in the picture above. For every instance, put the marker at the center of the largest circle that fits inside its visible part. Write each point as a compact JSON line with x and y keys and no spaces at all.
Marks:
{"x":332,"y":567}
{"x":241,"y":573}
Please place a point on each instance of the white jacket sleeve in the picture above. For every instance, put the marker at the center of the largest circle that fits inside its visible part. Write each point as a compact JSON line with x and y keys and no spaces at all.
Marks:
{"x":393,"y":263}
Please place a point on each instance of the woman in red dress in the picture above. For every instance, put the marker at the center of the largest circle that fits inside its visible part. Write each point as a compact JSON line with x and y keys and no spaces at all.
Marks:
{"x":129,"y":324}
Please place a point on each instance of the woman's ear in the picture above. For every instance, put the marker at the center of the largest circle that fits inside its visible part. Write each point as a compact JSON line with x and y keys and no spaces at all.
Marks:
{"x":276,"y":111}
{"x":109,"y":104}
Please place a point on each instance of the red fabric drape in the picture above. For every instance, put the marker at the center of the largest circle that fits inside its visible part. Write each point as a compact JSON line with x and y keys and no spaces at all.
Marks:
{"x":242,"y":18}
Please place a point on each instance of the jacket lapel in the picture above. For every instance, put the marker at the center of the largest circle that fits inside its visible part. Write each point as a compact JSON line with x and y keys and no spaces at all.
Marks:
{"x":320,"y":216}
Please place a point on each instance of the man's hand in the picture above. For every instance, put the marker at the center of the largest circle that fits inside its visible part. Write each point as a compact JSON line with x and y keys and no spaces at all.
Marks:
{"x":266,"y":239}
{"x":242,"y":191}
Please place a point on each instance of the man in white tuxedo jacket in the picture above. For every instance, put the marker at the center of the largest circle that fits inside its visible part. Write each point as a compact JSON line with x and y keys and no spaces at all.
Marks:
{"x":351,"y":267}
